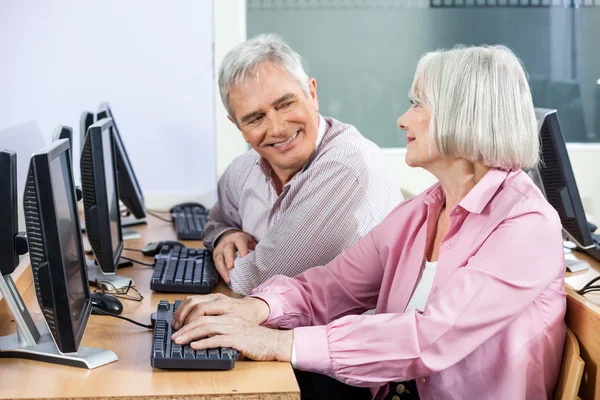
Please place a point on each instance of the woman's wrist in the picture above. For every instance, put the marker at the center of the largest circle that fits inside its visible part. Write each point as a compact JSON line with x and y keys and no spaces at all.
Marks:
{"x":285,"y":345}
{"x":261,"y":309}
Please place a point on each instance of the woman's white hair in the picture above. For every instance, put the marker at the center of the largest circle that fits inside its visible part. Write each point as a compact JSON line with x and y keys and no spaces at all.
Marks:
{"x":481,"y":106}
{"x":244,"y":61}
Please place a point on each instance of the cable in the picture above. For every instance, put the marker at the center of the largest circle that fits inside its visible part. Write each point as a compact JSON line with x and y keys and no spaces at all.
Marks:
{"x":138,"y":262}
{"x":158,"y":211}
{"x":588,"y":285}
{"x":100,"y":311}
{"x":138,"y":250}
{"x":159,"y":217}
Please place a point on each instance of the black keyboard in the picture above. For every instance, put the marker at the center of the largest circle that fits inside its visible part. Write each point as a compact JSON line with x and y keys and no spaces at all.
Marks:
{"x":189,"y":221}
{"x":183,"y":270}
{"x":167,"y":354}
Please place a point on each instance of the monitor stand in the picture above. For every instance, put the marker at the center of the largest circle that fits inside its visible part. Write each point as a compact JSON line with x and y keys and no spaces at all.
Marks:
{"x":34,"y":341}
{"x":119,"y":282}
{"x":132,"y":221}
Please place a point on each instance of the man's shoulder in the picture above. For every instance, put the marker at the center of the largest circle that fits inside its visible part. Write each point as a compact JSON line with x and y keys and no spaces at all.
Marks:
{"x":244,"y":162}
{"x":345,"y":145}
{"x":346,"y":139}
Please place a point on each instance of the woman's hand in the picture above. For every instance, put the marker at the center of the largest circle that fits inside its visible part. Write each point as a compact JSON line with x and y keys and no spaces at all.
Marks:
{"x":193,"y":308}
{"x":251,"y":340}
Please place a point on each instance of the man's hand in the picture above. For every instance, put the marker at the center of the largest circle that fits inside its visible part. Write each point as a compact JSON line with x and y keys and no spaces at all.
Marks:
{"x":253,"y":341}
{"x":228,"y":244}
{"x":190,"y":312}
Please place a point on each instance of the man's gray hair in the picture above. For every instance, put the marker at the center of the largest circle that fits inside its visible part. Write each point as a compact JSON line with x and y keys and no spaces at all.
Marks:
{"x":245,"y":59}
{"x":481,"y":106}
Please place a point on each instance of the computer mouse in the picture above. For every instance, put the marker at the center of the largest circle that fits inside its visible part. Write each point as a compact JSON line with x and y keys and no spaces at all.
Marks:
{"x":153,"y":248}
{"x":106,"y":302}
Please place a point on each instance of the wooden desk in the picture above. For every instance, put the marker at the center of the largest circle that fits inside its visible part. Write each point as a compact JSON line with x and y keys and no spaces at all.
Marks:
{"x":583,"y":317}
{"x":132,"y":376}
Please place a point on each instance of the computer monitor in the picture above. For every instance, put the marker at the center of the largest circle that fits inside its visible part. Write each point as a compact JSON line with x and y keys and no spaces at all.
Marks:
{"x":558,"y":182}
{"x":58,"y":268}
{"x":9,"y":219}
{"x":85,"y":121}
{"x":101,"y":203}
{"x":57,"y":259}
{"x":565,"y":97}
{"x":130,"y":191}
{"x":64,"y":132}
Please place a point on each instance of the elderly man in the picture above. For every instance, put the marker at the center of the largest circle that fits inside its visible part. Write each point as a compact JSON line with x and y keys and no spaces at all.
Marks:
{"x":309,"y":188}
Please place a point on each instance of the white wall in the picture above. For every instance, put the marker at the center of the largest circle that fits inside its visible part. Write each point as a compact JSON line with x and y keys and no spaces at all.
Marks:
{"x":230,"y":29}
{"x":151,"y":59}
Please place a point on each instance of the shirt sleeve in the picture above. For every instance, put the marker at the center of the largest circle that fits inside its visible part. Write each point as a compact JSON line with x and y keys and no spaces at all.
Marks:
{"x":519,"y":260}
{"x":347,"y":285}
{"x":224,"y":215}
{"x":314,"y":230}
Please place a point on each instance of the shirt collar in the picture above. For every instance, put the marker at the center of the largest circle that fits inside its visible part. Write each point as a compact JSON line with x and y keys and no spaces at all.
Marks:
{"x":478,"y":197}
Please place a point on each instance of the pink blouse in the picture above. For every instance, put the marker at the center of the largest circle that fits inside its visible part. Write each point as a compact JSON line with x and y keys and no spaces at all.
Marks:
{"x":493,"y":326}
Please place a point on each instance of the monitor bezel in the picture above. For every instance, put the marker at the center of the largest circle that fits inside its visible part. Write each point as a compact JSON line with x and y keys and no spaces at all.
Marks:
{"x":97,"y":215}
{"x":69,"y":336}
{"x":9,"y":217}
{"x":130,"y":190}
{"x":86,"y":119}
{"x":550,"y":117}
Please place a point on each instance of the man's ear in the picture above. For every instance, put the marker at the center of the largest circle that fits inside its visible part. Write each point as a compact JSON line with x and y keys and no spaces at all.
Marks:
{"x":312,"y":88}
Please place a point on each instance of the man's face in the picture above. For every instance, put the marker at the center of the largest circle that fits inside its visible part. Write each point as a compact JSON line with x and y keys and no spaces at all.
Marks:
{"x":277,"y":118}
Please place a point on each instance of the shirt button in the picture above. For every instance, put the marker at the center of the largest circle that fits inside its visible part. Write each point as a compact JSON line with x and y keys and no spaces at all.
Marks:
{"x":449,"y":245}
{"x":422,"y":380}
{"x":400,"y":389}
{"x":395,"y":398}
{"x":435,"y":289}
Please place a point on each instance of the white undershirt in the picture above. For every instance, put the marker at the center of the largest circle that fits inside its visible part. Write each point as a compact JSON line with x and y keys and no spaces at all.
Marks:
{"x":421,"y":293}
{"x":417,"y":300}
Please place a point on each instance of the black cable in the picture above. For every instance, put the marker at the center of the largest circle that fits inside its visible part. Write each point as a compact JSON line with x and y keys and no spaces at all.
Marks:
{"x":138,"y":250}
{"x":589,"y":290}
{"x":98,"y":310}
{"x":138,"y":262}
{"x":159,"y":217}
{"x":588,"y":285}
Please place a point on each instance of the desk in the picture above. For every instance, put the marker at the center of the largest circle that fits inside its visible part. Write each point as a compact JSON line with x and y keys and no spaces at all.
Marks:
{"x":583,"y":317}
{"x":132,"y":376}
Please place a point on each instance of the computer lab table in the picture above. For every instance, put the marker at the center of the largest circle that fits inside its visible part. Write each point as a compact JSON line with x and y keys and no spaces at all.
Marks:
{"x":132,"y":376}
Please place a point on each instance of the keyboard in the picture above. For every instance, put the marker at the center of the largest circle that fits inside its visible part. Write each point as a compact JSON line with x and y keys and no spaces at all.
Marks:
{"x":183,"y":270}
{"x":189,"y":220}
{"x":167,"y":354}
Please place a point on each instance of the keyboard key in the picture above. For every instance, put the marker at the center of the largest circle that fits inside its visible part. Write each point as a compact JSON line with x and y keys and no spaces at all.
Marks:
{"x":176,"y":351}
{"x":213,"y":354}
{"x":188,"y":352}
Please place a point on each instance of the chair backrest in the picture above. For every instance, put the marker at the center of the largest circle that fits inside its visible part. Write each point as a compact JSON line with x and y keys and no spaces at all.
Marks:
{"x":571,"y":370}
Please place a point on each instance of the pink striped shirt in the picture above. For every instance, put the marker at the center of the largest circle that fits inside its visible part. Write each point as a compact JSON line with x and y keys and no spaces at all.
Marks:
{"x":493,"y":325}
{"x":342,"y":192}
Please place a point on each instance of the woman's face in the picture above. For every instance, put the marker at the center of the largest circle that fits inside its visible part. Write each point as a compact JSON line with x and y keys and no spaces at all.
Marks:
{"x":420,"y":151}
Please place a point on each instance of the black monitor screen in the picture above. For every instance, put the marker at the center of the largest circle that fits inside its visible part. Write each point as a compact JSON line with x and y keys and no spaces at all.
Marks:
{"x":111,"y":194}
{"x":67,"y":236}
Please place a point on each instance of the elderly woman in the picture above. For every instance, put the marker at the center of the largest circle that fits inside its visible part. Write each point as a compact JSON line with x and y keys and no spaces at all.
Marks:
{"x":466,"y":278}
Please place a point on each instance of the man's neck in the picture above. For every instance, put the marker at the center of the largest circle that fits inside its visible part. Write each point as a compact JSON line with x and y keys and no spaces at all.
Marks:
{"x":281,"y":177}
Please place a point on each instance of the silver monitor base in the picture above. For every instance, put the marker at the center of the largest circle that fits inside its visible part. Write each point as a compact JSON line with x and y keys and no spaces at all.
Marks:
{"x":132,"y":221}
{"x":95,"y":274}
{"x":47,"y":351}
{"x":34,"y":341}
